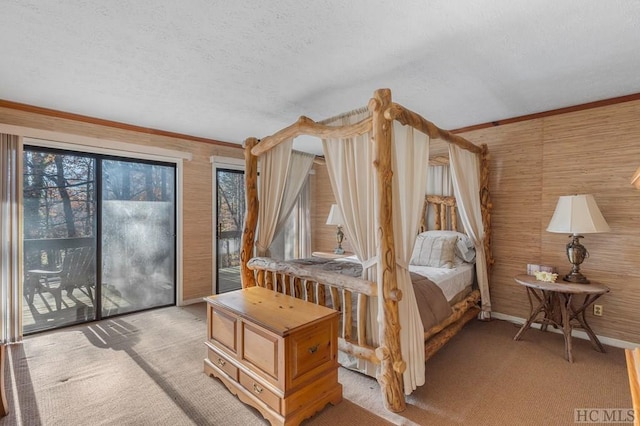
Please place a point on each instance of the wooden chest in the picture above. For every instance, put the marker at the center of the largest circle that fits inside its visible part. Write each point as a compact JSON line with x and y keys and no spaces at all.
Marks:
{"x":275,"y":352}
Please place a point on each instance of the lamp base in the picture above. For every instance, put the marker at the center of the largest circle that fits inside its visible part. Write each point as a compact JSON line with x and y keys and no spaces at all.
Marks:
{"x":576,"y":253}
{"x":575,"y":277}
{"x":339,"y":239}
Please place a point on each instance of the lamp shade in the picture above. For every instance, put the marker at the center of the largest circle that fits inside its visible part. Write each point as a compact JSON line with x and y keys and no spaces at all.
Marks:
{"x":577,"y":214}
{"x":335,"y":216}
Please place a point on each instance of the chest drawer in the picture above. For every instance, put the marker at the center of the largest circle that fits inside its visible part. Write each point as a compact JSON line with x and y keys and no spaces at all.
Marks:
{"x":260,"y":391}
{"x":223,"y":364}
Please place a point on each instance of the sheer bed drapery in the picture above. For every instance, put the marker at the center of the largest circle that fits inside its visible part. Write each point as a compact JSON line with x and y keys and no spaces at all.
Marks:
{"x":349,"y":162}
{"x":353,"y":183}
{"x":274,"y":168}
{"x":465,"y":174}
{"x":282,"y":177}
{"x":410,"y":155}
{"x":299,"y":167}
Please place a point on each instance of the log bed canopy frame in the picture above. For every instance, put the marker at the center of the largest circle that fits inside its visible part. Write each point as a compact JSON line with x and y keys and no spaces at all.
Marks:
{"x":285,"y":278}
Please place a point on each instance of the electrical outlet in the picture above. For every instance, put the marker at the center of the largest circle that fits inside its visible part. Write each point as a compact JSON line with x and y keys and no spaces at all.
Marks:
{"x":597,"y":310}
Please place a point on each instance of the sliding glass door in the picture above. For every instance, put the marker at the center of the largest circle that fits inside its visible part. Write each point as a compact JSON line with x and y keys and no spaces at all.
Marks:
{"x":230,"y":209}
{"x":138,"y":236}
{"x":99,"y":237}
{"x":59,"y":239}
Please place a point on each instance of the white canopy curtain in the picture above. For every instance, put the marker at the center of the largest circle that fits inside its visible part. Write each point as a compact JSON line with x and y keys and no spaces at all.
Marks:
{"x":352,"y":177}
{"x":465,"y":173}
{"x":439,"y":181}
{"x":299,"y":167}
{"x":302,"y":225}
{"x":10,"y":238}
{"x":274,"y":168}
{"x":409,"y":155}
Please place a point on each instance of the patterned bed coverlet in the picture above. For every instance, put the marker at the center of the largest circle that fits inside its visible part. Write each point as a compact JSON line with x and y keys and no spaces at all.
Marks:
{"x":432,"y":304}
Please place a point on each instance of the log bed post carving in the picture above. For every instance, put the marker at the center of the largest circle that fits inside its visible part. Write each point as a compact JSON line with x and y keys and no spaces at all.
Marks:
{"x":391,"y":366}
{"x":251,"y":218}
{"x":486,"y":206}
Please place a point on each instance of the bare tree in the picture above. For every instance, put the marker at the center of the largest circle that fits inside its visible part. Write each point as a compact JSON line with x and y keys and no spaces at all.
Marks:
{"x":64,"y":195}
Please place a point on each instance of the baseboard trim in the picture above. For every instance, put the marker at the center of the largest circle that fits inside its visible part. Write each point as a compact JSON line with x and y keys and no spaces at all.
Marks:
{"x":575,"y":333}
{"x":190,"y":301}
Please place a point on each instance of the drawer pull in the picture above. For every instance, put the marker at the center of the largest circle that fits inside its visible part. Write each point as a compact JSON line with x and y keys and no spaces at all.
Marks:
{"x":313,"y":349}
{"x":221,"y":362}
{"x":256,"y":388}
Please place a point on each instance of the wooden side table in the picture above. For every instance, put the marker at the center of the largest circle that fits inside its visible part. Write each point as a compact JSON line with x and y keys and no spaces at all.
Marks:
{"x":547,"y":298}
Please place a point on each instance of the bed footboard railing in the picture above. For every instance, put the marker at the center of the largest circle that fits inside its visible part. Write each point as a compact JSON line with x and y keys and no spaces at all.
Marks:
{"x":350,"y":296}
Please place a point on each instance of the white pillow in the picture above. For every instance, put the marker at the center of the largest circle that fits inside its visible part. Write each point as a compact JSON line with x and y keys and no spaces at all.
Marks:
{"x":436,"y":251}
{"x":464,"y":252}
{"x":464,"y":249}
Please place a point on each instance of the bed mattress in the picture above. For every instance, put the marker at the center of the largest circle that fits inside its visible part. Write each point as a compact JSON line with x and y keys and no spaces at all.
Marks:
{"x":453,"y":282}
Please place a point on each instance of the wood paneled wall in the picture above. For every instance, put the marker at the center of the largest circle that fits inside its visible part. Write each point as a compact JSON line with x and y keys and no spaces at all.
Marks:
{"x":593,"y":151}
{"x":323,"y":235}
{"x":533,"y":162}
{"x":197,"y":189}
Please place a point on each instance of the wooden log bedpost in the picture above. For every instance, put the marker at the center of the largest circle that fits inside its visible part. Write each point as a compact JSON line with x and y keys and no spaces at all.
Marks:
{"x":486,"y":206}
{"x":251,"y":216}
{"x":391,"y":364}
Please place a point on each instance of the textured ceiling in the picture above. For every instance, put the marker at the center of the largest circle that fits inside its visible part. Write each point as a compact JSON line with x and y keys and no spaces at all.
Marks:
{"x":228,"y":70}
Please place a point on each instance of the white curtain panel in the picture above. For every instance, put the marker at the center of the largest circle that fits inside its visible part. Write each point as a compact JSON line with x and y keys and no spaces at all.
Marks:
{"x":304,"y":224}
{"x":353,"y":180}
{"x":10,"y":239}
{"x":352,"y":177}
{"x":465,"y":173}
{"x":299,"y":167}
{"x":410,"y":156}
{"x":274,"y":168}
{"x":439,"y":181}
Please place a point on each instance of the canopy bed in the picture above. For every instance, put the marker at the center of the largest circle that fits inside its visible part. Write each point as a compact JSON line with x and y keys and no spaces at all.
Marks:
{"x":377,"y":161}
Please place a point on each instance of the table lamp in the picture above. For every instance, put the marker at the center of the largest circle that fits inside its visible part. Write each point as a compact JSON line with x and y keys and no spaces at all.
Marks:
{"x":575,"y":215}
{"x":335,"y":218}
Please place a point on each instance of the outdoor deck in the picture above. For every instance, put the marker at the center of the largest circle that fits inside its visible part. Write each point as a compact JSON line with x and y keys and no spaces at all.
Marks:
{"x":229,"y":279}
{"x":78,"y":307}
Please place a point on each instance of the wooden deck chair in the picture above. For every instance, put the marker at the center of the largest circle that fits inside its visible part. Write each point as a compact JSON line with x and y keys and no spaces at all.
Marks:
{"x":77,"y":271}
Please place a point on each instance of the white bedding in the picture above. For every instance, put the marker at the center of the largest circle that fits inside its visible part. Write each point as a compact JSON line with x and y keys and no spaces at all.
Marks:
{"x":451,"y":281}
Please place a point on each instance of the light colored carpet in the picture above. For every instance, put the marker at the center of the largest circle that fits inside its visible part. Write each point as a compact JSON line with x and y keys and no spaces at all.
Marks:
{"x":146,"y":369}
